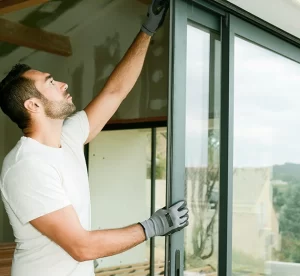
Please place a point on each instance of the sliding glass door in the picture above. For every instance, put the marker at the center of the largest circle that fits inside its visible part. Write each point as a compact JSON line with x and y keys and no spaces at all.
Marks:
{"x":194,"y":137}
{"x":233,"y":152}
{"x":266,"y":154}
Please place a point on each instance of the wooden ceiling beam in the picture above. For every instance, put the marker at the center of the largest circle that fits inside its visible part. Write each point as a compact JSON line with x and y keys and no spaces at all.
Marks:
{"x":7,"y":6}
{"x":21,"y":35}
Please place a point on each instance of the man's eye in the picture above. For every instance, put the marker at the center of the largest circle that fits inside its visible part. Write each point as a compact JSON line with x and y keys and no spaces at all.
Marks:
{"x":52,"y":82}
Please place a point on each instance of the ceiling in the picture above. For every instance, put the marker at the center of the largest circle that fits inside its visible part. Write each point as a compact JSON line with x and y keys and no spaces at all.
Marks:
{"x":284,"y":14}
{"x":57,"y":16}
{"x":69,"y":16}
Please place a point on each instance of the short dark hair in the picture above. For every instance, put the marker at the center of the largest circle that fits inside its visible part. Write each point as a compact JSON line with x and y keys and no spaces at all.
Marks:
{"x":15,"y":89}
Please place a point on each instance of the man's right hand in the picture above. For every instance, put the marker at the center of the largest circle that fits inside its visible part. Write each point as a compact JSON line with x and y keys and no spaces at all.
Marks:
{"x":167,"y":221}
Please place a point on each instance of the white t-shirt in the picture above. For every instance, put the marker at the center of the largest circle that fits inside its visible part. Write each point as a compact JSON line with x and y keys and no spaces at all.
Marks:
{"x":36,"y":180}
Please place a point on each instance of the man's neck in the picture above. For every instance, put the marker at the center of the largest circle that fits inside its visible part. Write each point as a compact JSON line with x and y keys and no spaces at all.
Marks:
{"x":48,"y":133}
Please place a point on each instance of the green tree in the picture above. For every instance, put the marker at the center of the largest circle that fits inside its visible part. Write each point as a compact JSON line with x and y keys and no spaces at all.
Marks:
{"x":204,"y":200}
{"x":278,"y":198}
{"x":290,"y":225}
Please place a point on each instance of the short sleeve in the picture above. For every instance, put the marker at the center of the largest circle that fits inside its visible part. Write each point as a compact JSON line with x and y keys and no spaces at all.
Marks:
{"x":76,"y":127}
{"x":33,"y":189}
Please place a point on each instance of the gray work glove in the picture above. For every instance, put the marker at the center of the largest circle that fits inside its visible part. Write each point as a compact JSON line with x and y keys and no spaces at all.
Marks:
{"x":156,"y":16}
{"x":167,"y":221}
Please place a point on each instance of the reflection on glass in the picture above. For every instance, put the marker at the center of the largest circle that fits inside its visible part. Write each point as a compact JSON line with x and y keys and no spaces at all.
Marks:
{"x":266,"y":175}
{"x":160,"y":193}
{"x":202,"y":151}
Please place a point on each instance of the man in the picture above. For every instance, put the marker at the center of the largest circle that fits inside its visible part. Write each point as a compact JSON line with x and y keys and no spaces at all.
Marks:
{"x":44,"y":181}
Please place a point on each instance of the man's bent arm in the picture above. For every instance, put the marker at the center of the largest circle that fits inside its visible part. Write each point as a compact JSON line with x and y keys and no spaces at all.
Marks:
{"x":112,"y":241}
{"x":118,"y":85}
{"x":63,"y":227}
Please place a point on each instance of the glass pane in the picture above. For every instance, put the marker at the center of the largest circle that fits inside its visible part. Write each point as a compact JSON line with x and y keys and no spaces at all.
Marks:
{"x":120,"y":162}
{"x":120,"y":195}
{"x":160,"y":194}
{"x":266,"y":175}
{"x":202,"y":150}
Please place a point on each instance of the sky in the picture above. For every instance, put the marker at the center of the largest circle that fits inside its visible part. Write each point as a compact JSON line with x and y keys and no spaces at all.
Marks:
{"x":266,"y":104}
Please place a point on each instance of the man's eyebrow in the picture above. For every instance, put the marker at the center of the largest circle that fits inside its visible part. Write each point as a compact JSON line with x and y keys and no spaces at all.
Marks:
{"x":48,"y":77}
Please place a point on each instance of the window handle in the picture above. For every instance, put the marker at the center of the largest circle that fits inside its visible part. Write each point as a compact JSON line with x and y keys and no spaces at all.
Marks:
{"x":177,"y":263}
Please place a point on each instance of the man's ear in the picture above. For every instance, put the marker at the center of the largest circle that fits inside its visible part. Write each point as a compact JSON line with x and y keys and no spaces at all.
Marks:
{"x":33,"y":105}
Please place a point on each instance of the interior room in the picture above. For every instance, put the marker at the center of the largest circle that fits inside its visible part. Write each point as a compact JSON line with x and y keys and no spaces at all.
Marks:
{"x":211,"y":119}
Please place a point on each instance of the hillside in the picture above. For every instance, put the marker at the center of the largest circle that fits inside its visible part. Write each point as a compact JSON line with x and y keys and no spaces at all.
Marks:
{"x":289,"y":172}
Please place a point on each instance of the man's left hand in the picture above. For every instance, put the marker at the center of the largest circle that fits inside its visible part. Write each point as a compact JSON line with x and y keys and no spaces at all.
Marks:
{"x":156,"y":16}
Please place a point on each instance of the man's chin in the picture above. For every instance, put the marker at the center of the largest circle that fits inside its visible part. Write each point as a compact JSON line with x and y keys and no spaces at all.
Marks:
{"x":72,"y":111}
{"x":63,"y":115}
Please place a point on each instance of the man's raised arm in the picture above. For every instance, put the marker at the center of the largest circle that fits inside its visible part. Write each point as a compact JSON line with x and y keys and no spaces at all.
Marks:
{"x":126,"y":73}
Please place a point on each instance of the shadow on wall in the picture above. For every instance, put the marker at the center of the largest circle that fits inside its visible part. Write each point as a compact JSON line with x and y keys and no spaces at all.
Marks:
{"x":152,"y":99}
{"x":106,"y":57}
{"x":155,"y":76}
{"x":9,"y":137}
{"x":76,"y":86}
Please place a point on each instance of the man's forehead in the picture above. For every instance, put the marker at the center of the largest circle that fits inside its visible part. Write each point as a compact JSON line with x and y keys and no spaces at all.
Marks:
{"x":36,"y":75}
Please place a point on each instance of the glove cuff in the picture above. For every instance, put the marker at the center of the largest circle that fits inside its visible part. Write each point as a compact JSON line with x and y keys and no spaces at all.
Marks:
{"x":141,"y":224}
{"x":145,"y":30}
{"x":148,"y":226}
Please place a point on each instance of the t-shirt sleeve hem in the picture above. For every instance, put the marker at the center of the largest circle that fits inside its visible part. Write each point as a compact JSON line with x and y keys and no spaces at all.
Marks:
{"x":76,"y":128}
{"x":85,"y":125}
{"x":28,"y":218}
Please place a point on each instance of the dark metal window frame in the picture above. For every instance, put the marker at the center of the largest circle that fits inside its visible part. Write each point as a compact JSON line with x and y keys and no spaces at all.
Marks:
{"x":224,"y":8}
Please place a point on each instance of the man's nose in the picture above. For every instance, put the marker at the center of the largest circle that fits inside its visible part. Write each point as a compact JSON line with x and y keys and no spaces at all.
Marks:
{"x":64,"y":86}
